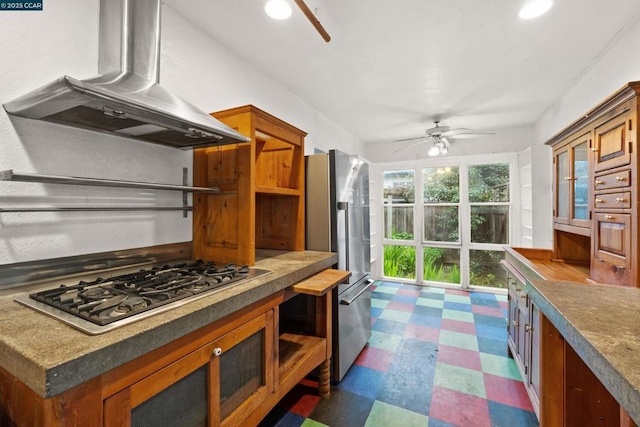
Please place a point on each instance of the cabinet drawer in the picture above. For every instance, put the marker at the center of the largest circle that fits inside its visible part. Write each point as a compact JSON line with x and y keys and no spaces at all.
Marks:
{"x":613,"y":201}
{"x":613,"y":239}
{"x":613,"y":180}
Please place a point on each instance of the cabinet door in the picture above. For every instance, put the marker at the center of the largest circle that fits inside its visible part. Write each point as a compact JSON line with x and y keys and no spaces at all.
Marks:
{"x":579,"y":198}
{"x":221,"y":383}
{"x":613,"y":142}
{"x":613,"y":239}
{"x":572,"y":182}
{"x":563,"y":186}
{"x":522,"y":347}
{"x":533,"y":379}
{"x":513,"y":322}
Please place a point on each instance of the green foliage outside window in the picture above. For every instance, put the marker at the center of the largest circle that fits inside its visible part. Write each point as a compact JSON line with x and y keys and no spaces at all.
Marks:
{"x":436,"y":268}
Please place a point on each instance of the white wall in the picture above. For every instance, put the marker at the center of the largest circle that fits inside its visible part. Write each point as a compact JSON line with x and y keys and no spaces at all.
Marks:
{"x":39,"y":47}
{"x":619,"y":65}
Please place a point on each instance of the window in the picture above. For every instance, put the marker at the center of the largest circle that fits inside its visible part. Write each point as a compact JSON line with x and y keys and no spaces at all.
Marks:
{"x":399,"y":260}
{"x":399,"y":198}
{"x":454,"y":230}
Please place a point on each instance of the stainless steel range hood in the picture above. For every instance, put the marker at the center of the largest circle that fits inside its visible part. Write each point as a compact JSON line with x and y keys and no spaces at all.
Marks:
{"x":126,"y":99}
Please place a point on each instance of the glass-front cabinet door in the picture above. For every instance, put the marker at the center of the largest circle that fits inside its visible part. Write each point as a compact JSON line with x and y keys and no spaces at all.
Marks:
{"x":219,"y":384}
{"x":572,"y":183}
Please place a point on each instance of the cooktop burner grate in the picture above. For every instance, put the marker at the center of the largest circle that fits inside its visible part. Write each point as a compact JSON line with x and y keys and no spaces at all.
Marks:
{"x":109,"y":301}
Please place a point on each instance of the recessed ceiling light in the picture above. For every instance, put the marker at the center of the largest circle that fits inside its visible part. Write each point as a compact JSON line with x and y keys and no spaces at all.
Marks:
{"x":278,"y":9}
{"x":535,"y":8}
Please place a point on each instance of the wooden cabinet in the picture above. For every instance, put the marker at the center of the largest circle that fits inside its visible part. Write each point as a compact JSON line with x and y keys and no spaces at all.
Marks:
{"x":231,"y":372}
{"x":571,"y":175}
{"x":601,"y":213}
{"x":261,"y":182}
{"x":220,"y":383}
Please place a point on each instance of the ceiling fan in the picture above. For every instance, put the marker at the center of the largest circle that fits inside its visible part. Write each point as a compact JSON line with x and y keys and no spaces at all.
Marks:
{"x":439,"y":137}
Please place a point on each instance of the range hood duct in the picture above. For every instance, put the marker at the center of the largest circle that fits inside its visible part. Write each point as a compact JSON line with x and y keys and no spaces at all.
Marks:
{"x":126,"y":99}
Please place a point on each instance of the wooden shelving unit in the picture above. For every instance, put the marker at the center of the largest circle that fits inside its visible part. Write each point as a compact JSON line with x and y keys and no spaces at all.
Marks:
{"x":261,"y":199}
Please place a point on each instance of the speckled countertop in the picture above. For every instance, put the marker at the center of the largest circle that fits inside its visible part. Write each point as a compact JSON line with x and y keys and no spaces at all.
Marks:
{"x":51,"y":357}
{"x":602,"y":324}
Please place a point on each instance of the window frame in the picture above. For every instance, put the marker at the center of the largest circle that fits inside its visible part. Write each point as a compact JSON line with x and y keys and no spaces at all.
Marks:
{"x":464,"y":213}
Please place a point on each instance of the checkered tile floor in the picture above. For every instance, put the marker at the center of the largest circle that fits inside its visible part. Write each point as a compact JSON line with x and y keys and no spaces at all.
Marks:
{"x":436,"y":357}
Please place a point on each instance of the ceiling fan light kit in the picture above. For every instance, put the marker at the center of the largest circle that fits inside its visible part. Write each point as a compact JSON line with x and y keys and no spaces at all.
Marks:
{"x":278,"y":9}
{"x":439,"y":147}
{"x":535,"y":8}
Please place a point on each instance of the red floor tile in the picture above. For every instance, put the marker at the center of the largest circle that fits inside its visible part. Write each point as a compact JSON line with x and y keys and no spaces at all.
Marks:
{"x":408,"y":292}
{"x":375,"y":358}
{"x":458,"y":326}
{"x":460,"y":409}
{"x":303,"y":399}
{"x":507,"y":391}
{"x":423,"y":333}
{"x":489,"y":311}
{"x":457,"y":292}
{"x":400,"y":306}
{"x":459,"y":357}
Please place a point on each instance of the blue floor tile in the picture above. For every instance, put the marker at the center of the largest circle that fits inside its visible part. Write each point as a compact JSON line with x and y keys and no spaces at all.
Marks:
{"x":457,"y":306}
{"x":493,"y":332}
{"x":483,"y":319}
{"x":425,"y":320}
{"x":407,"y":299}
{"x":409,"y":381}
{"x":427,"y":311}
{"x":491,"y":346}
{"x":509,"y":416}
{"x":362,"y":381}
{"x":485,"y":302}
{"x":389,"y":326}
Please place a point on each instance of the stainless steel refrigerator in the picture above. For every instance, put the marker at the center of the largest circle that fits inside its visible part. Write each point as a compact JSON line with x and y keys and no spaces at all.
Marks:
{"x":337,"y":220}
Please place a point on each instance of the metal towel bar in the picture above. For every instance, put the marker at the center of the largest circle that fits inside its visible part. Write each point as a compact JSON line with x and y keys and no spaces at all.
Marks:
{"x":10,"y":175}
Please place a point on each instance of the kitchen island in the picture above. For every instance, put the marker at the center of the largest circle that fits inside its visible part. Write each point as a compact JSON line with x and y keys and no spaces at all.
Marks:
{"x":44,"y":360}
{"x":588,"y":345}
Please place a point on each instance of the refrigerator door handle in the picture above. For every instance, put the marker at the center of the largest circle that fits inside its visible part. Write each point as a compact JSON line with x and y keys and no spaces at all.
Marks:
{"x":356,"y":296}
{"x":344,"y":206}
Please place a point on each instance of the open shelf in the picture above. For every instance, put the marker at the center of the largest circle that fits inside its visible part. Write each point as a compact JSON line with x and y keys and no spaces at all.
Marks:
{"x":265,"y":189}
{"x":297,"y":351}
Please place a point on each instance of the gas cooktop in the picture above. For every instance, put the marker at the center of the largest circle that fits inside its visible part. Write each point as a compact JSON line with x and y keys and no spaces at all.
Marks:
{"x":104,"y":304}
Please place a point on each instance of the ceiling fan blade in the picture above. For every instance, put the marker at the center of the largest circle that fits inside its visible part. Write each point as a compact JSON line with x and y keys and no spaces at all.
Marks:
{"x":411,"y":145}
{"x":471,"y":135}
{"x":456,"y":131}
{"x":312,"y":18}
{"x":421,"y":138}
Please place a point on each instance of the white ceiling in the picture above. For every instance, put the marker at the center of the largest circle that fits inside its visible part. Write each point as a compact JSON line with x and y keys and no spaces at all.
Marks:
{"x":392,"y":67}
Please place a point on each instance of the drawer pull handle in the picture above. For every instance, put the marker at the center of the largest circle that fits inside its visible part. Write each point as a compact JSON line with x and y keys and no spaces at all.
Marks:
{"x":599,"y":201}
{"x":620,"y":200}
{"x":528,"y":327}
{"x":595,"y":150}
{"x":620,"y":178}
{"x":608,"y":217}
{"x":217,"y":351}
{"x":523,"y":296}
{"x":515,"y":323}
{"x":567,"y":178}
{"x":598,"y":182}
